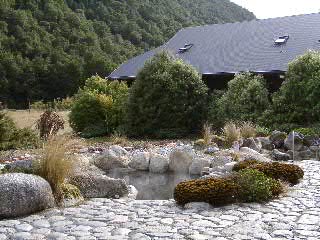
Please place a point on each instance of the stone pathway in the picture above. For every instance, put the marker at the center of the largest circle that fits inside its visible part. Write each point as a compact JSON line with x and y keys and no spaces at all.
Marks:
{"x":296,"y":216}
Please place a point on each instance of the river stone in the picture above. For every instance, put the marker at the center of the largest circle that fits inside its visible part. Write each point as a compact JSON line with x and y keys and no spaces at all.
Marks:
{"x":140,"y":161}
{"x":298,"y":141}
{"x":266,"y":143}
{"x":158,"y":163}
{"x":280,"y":156}
{"x":180,"y":159}
{"x":197,"y":166}
{"x":20,"y":166}
{"x":250,"y":154}
{"x":23,"y":194}
{"x":114,"y":157}
{"x":94,"y":185}
{"x":277,"y":138}
{"x":252,"y":143}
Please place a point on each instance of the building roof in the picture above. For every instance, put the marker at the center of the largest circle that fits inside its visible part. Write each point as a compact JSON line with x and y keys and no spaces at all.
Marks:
{"x":238,"y":47}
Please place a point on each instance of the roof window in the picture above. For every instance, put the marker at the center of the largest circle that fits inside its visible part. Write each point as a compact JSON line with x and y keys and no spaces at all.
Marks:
{"x":281,"y":40}
{"x":186,"y":47}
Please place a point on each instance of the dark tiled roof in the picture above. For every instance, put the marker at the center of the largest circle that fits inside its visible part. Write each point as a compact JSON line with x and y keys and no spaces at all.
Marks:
{"x":237,"y":47}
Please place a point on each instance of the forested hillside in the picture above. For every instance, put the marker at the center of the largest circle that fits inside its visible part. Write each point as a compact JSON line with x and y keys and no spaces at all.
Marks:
{"x":49,"y":47}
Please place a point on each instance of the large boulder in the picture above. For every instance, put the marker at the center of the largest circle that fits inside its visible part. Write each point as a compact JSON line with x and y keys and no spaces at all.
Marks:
{"x":23,"y":194}
{"x":197,"y":166}
{"x":277,"y":138}
{"x":266,"y":143}
{"x":114,"y":157}
{"x":25,"y":166}
{"x":280,"y":156}
{"x":140,"y":161}
{"x":158,"y":163}
{"x":294,"y":141}
{"x":181,"y":158}
{"x":250,"y":154}
{"x":94,"y":185}
{"x":252,"y":143}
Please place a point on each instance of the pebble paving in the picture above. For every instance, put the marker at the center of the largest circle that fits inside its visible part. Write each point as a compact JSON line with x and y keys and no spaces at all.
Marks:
{"x":294,"y":216}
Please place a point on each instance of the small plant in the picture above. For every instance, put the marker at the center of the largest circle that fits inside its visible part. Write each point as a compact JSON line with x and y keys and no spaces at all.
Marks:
{"x":55,"y":165}
{"x":231,"y":133}
{"x":312,"y":132}
{"x":207,"y":133}
{"x":263,"y":131}
{"x":118,"y":138}
{"x":244,"y":164}
{"x":248,"y":130}
{"x":257,"y":187}
{"x":49,"y":124}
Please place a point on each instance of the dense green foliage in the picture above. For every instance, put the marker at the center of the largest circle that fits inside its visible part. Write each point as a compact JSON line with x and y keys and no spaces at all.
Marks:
{"x":12,"y":137}
{"x":297,"y":102}
{"x":99,"y":107}
{"x":168,"y":97}
{"x":246,"y":186}
{"x":49,"y":47}
{"x":245,"y":99}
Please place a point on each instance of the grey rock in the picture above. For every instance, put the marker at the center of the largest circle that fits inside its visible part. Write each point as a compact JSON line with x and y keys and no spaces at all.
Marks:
{"x":23,"y":194}
{"x":197,"y":166}
{"x":20,"y":165}
{"x":280,"y":156}
{"x":211,"y":150}
{"x":181,"y":158}
{"x":140,"y":161}
{"x":266,"y":143}
{"x":114,"y":157}
{"x":298,"y":141}
{"x":277,"y":138}
{"x":252,"y":143}
{"x":158,"y":163}
{"x":248,"y":153}
{"x":99,"y":186}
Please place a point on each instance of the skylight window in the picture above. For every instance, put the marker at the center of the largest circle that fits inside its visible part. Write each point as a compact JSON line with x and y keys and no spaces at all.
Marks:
{"x":186,"y":47}
{"x":281,"y":40}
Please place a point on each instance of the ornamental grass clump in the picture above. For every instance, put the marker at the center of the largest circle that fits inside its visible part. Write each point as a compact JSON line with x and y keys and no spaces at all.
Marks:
{"x":248,"y":130}
{"x":231,"y":133}
{"x":56,"y":164}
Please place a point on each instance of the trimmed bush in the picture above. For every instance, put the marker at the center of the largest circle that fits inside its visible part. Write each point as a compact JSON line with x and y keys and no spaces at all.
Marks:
{"x":297,"y":102}
{"x":216,"y":191}
{"x":99,"y":107}
{"x":245,"y":100}
{"x":256,"y":186}
{"x":244,"y":164}
{"x":246,"y":186}
{"x":168,"y":99}
{"x":281,"y":171}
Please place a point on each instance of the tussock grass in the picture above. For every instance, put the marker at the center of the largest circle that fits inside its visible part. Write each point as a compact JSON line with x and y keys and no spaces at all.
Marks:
{"x":56,"y":164}
{"x":118,"y":138}
{"x":207,"y":133}
{"x":248,"y":130}
{"x":231,"y":133}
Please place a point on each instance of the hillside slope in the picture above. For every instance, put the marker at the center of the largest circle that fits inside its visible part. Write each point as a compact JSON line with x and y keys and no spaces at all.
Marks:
{"x":49,"y":47}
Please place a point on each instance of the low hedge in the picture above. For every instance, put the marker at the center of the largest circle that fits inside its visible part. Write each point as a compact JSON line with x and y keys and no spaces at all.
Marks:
{"x":281,"y":171}
{"x":246,"y":186}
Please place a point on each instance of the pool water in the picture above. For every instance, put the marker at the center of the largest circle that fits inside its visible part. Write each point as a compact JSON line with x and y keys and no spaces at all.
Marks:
{"x":151,"y":186}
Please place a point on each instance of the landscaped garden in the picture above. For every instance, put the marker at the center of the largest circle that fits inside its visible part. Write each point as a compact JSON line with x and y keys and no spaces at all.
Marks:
{"x":165,"y":137}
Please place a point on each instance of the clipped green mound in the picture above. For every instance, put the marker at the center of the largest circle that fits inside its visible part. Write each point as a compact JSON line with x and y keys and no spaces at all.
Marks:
{"x":280,"y":171}
{"x":246,"y":186}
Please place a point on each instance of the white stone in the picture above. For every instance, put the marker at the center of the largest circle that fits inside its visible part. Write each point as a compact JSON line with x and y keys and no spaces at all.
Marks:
{"x":140,"y":161}
{"x":197,"y":166}
{"x":158,"y":163}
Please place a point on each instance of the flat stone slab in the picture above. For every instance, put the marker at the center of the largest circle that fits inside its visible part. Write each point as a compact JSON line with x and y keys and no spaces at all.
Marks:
{"x":293,"y":216}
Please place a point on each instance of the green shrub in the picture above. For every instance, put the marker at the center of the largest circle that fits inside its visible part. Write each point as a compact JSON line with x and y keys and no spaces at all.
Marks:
{"x":168,"y":99}
{"x":289,"y":173}
{"x":57,"y":104}
{"x":246,"y":186}
{"x":308,"y":132}
{"x":12,"y":137}
{"x":297,"y":102}
{"x":216,"y":191}
{"x":263,"y":131}
{"x":99,"y":107}
{"x":256,"y":186}
{"x":245,"y":100}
